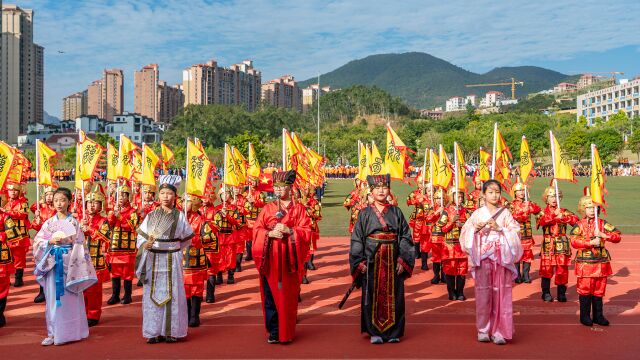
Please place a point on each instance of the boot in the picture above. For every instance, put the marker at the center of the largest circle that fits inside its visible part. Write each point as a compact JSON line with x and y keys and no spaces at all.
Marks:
{"x":526,"y":267}
{"x":598,"y":311}
{"x":309,"y":264}
{"x":451,"y":287}
{"x":115,"y":296}
{"x":436,"y":273}
{"x":249,"y":255}
{"x":40,"y":297}
{"x":238,"y":262}
{"x":562,"y":293}
{"x":194,"y":311}
{"x":211,"y":290}
{"x":189,"y":310}
{"x":128,"y":287}
{"x":19,"y":282}
{"x":305,"y":280}
{"x":585,"y":310}
{"x":442,"y":274}
{"x":219,"y":278}
{"x":519,"y":277}
{"x":460,"y":280}
{"x":230,"y":278}
{"x":3,"y":305}
{"x":545,"y":283}
{"x":423,"y":258}
{"x":139,"y":283}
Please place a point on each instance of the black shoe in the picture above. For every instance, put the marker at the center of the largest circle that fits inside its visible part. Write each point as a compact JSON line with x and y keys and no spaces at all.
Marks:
{"x":299,"y":298}
{"x":423,"y":258}
{"x":128,"y":288}
{"x":115,"y":297}
{"x":170,"y":339}
{"x":526,"y":267}
{"x":273,"y":339}
{"x":238,"y":262}
{"x":436,"y":274}
{"x":153,"y":340}
{"x":562,"y":293}
{"x":211,"y":290}
{"x":312,"y":266}
{"x":305,"y":280}
{"x":139,"y":283}
{"x":451,"y":287}
{"x":19,"y":282}
{"x":40,"y":297}
{"x":249,"y":256}
{"x":3,"y":305}
{"x":460,"y":280}
{"x":92,"y":322}
{"x":545,"y":284}
{"x":219,"y":278}
{"x":598,"y":311}
{"x":519,"y":276}
{"x":230,"y":277}
{"x":194,"y":320}
{"x":585,"y":310}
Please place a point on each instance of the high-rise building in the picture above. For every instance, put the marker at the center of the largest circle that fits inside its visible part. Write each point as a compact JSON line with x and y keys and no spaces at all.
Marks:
{"x":608,"y":101}
{"x":283,"y":92}
{"x":113,"y":93}
{"x":239,"y":84}
{"x":74,"y":106}
{"x":94,"y":99}
{"x":145,"y":91}
{"x":170,"y":101}
{"x":310,"y":94}
{"x":21,"y":73}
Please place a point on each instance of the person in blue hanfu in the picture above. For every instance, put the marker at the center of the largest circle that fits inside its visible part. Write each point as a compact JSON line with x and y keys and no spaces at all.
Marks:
{"x":64,"y":270}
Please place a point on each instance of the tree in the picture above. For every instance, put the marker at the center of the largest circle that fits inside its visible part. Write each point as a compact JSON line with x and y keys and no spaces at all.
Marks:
{"x":609,"y":143}
{"x":241,"y":141}
{"x":634,"y":143}
{"x":577,"y":144}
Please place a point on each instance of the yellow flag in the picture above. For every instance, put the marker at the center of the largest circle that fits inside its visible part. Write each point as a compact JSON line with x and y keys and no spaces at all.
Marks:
{"x":137,"y":166}
{"x":45,"y":168}
{"x":6,"y":160}
{"x":112,"y":162}
{"x":483,"y":169}
{"x":90,"y":152}
{"x":395,"y":139}
{"x":291,"y":153}
{"x":363,"y":169}
{"x":230,"y":174}
{"x":167,"y":155}
{"x":561,"y":168}
{"x":198,"y":166}
{"x":241,"y":165}
{"x":149,"y":164}
{"x":376,"y":165}
{"x":394,"y":157}
{"x":462,"y":170}
{"x":503,"y":155}
{"x":254,"y":166}
{"x":126,"y":165}
{"x":78,"y":182}
{"x":432,"y":166}
{"x":597,"y":178}
{"x":526,"y":163}
{"x":445,"y":175}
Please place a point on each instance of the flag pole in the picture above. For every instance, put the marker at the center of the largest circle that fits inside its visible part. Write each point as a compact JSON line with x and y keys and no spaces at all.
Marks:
{"x":431,"y":174}
{"x":595,"y":207}
{"x":38,"y":174}
{"x":493,"y":156}
{"x":249,"y":156}
{"x":84,"y":205}
{"x":284,"y":150}
{"x":118,"y":177}
{"x":144,"y":158}
{"x":186,"y":173}
{"x":424,"y":168}
{"x":457,"y":173}
{"x":553,"y":161}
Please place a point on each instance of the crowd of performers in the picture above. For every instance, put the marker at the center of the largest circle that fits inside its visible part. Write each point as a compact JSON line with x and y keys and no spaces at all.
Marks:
{"x":481,"y":233}
{"x":121,"y":229}
{"x":159,"y":239}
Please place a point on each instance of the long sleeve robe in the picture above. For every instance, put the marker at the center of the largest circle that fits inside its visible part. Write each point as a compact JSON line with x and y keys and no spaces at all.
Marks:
{"x":382,"y":312}
{"x":164,"y":303}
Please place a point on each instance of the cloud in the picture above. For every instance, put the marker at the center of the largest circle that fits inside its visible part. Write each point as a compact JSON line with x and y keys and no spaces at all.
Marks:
{"x":305,"y":37}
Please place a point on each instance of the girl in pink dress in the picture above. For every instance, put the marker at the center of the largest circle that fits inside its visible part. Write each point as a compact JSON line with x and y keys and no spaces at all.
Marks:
{"x":491,"y":237}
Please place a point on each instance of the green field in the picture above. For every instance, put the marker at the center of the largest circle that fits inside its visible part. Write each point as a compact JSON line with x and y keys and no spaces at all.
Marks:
{"x":623,"y":210}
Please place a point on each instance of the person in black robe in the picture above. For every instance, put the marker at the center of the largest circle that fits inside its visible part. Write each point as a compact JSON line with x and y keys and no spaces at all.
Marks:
{"x":381,"y":257}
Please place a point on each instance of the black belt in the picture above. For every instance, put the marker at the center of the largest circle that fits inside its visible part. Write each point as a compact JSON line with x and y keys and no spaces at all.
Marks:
{"x":158,"y":251}
{"x":167,"y":240}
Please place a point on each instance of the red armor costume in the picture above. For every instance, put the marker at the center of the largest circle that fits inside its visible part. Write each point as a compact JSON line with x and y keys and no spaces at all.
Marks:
{"x":17,"y":230}
{"x":314,"y":211}
{"x":522,"y":211}
{"x":420,"y":230}
{"x":97,"y":234}
{"x":122,"y":250}
{"x":241,"y":232}
{"x":474,"y":197}
{"x":440,"y":219}
{"x":225,"y":221}
{"x":6,"y":267}
{"x":555,"y":253}
{"x":194,"y":263}
{"x":148,"y":204}
{"x":46,"y":209}
{"x":593,"y":262}
{"x":454,"y":260}
{"x":354,"y":202}
{"x":256,"y":200}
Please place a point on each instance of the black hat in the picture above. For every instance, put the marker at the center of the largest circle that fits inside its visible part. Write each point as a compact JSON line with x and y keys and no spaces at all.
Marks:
{"x":284,"y":177}
{"x":379,"y":180}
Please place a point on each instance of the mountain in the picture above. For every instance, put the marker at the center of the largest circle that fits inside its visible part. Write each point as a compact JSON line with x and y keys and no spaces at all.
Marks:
{"x":50,"y":119}
{"x":423,"y":80}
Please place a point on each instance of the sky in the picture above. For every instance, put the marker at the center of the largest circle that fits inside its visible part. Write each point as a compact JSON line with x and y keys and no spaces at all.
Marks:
{"x":304,"y":37}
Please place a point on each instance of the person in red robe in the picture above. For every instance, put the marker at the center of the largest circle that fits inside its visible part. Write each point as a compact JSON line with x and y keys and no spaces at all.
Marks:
{"x":420,"y":200}
{"x":281,"y":233}
{"x":522,"y":211}
{"x":225,"y":223}
{"x":454,"y":260}
{"x":194,"y":267}
{"x":314,"y":211}
{"x":437,"y":216}
{"x":241,"y":233}
{"x":6,"y":269}
{"x":17,"y":231}
{"x":42,"y":214}
{"x":255,"y":202}
{"x":593,"y":262}
{"x":148,"y":202}
{"x":209,"y":240}
{"x":97,"y":232}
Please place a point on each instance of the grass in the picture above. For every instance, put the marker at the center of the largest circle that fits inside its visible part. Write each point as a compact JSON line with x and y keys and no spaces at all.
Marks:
{"x":623,"y":200}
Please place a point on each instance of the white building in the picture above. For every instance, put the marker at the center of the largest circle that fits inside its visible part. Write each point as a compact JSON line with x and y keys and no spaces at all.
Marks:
{"x":493,"y":97}
{"x":136,"y":127}
{"x":472,"y":99}
{"x":606,"y":102}
{"x":455,"y":103}
{"x":36,"y":131}
{"x":90,"y":124}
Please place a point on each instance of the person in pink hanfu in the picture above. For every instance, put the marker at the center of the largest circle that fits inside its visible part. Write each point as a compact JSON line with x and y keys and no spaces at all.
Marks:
{"x":491,"y":237}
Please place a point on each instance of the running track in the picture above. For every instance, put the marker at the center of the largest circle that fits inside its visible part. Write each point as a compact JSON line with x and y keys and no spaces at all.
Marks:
{"x":436,"y":328}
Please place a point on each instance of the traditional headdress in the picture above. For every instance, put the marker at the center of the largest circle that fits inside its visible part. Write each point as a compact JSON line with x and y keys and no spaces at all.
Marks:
{"x":516,"y":187}
{"x":14,"y":186}
{"x":379,"y":180}
{"x":282,"y":178}
{"x":96,"y":194}
{"x":171,"y":182}
{"x":550,"y":191}
{"x":149,"y":188}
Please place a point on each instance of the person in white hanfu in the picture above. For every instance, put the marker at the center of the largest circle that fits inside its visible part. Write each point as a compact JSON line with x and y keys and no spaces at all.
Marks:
{"x":491,"y":237}
{"x":163,"y":234}
{"x":64,"y":270}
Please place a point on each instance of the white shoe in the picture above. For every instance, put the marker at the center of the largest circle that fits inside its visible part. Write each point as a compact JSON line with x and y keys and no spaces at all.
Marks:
{"x":498,"y":340}
{"x":483,"y":337}
{"x":376,"y":340}
{"x":47,"y":341}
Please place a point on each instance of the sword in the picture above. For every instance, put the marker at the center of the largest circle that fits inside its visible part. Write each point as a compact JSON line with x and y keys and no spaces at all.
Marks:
{"x":346,"y":295}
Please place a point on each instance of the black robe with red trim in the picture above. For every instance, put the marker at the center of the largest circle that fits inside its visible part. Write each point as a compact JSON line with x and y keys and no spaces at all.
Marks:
{"x":381,"y":245}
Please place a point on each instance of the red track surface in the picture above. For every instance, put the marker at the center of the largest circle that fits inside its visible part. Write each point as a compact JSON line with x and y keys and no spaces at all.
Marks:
{"x":436,"y":327}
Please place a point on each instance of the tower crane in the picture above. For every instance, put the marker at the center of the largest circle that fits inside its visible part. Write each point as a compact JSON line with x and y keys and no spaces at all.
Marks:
{"x":513,"y":84}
